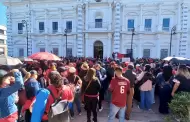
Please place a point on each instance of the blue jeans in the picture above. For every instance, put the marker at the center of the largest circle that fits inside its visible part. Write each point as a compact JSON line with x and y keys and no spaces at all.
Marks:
{"x":152,"y":95}
{"x":146,"y":100}
{"x":113,"y":111}
{"x":78,"y":105}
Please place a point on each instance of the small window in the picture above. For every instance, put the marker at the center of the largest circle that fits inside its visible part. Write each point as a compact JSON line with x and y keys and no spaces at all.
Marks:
{"x":166,"y":24}
{"x":21,"y":52}
{"x":146,"y":53}
{"x":148,"y":24}
{"x":2,"y":31}
{"x":98,"y":23}
{"x":42,"y":49}
{"x":2,"y":51}
{"x":128,"y":51}
{"x":163,"y":53}
{"x":55,"y":27}
{"x":2,"y":41}
{"x":56,"y":51}
{"x":69,"y":26}
{"x":69,"y":52}
{"x":20,"y":28}
{"x":41,"y":27}
{"x":131,"y":23}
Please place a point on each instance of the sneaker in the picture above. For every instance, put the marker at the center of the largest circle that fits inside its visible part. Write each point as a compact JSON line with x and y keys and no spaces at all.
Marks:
{"x":80,"y":114}
{"x":72,"y":118}
{"x":100,"y":110}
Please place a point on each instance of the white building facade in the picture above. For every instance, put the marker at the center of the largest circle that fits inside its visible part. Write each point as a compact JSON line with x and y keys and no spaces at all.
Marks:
{"x":96,"y":28}
{"x":3,"y":39}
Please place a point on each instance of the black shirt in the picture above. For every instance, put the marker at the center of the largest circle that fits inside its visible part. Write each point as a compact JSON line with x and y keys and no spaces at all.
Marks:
{"x":184,"y":83}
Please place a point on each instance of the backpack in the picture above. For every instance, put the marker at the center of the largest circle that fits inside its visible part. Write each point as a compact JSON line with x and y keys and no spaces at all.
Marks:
{"x":59,"y":111}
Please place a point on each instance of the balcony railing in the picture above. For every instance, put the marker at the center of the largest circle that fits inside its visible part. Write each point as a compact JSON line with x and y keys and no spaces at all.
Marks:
{"x":54,"y":31}
{"x":41,"y":31}
{"x":98,"y":25}
{"x":166,"y":29}
{"x":148,"y":29}
{"x":130,"y":29}
{"x":20,"y":31}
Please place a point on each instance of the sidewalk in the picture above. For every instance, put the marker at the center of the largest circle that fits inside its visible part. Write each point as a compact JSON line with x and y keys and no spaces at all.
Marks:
{"x":136,"y":116}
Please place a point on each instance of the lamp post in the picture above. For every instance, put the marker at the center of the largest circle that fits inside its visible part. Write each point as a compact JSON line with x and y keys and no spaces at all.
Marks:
{"x":133,"y":33}
{"x":173,"y":32}
{"x":66,"y":42}
{"x":24,"y":22}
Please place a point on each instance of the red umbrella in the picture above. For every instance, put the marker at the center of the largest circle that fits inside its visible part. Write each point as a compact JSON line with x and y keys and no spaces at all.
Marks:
{"x":44,"y":56}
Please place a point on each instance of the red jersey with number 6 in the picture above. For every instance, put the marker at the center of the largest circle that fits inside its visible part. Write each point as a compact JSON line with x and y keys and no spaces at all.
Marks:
{"x":119,"y":88}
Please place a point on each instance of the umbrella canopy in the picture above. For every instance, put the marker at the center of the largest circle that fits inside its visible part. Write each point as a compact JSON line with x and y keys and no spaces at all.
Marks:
{"x":44,"y":56}
{"x":9,"y":61}
{"x":26,"y":59}
{"x":179,"y":60}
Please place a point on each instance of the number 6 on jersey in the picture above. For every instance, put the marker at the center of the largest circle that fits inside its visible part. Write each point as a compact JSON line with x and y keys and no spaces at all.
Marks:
{"x":122,"y":89}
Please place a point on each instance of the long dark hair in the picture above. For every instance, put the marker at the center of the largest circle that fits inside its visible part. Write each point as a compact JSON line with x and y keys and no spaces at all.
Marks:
{"x":167,"y":72}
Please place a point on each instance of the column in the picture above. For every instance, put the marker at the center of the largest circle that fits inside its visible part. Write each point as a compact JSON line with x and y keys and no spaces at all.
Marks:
{"x":86,"y":45}
{"x":60,"y":21}
{"x":159,"y":18}
{"x":10,"y":43}
{"x":117,"y":27}
{"x":86,"y":21}
{"x":46,"y":22}
{"x":140,"y":49}
{"x":141,"y":19}
{"x":110,"y":17}
{"x":109,"y":45}
{"x":179,"y":16}
{"x":158,"y":46}
{"x":80,"y":36}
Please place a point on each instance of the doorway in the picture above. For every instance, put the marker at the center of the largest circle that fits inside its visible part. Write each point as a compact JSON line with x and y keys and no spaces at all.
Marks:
{"x":98,"y":49}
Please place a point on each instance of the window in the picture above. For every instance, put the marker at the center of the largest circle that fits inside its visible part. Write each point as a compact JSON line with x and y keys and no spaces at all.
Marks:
{"x":20,"y":28}
{"x":146,"y":53}
{"x":2,"y":51}
{"x":128,"y":51}
{"x":98,"y":23}
{"x":166,"y":24}
{"x":21,"y":52}
{"x":69,"y":26}
{"x":55,"y":27}
{"x":131,"y":23}
{"x":1,"y":31}
{"x":56,"y":51}
{"x":148,"y":24}
{"x":69,"y":52}
{"x":2,"y":41}
{"x":41,"y":27}
{"x":42,"y":49}
{"x":163,"y":53}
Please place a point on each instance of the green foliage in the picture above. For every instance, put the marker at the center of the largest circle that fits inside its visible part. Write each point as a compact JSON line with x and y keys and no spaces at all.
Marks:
{"x":180,"y":106}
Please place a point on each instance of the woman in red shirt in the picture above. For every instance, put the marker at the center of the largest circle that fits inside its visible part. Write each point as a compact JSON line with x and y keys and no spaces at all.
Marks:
{"x":56,"y":88}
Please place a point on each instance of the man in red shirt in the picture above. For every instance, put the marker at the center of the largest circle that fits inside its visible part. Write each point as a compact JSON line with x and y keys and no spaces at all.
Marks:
{"x":120,"y":87}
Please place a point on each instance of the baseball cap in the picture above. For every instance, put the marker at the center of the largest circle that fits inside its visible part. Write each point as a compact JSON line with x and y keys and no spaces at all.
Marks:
{"x":33,"y":72}
{"x":62,"y":69}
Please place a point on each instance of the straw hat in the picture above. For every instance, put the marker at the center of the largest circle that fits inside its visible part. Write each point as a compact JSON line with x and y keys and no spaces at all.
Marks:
{"x":85,"y":66}
{"x":72,"y":70}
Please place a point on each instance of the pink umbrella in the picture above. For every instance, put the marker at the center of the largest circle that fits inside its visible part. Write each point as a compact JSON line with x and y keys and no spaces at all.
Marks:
{"x":44,"y":56}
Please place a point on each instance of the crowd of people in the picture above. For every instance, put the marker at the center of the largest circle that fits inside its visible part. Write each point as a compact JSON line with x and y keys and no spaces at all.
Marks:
{"x":47,"y":91}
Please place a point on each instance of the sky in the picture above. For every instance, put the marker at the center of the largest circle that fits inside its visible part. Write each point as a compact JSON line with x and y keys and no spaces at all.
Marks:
{"x":2,"y":14}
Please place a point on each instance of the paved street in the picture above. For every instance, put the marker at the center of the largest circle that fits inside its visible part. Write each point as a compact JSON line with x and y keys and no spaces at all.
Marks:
{"x":137,"y":115}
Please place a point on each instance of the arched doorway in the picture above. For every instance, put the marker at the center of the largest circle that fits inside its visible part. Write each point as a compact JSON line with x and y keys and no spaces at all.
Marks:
{"x":98,"y":49}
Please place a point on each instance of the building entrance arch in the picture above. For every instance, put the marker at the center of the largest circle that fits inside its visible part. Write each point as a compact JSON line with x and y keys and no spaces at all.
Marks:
{"x":98,"y":49}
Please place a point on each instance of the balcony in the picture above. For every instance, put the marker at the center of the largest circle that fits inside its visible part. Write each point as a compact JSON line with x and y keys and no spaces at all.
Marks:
{"x":148,"y":29}
{"x":130,"y":29}
{"x":20,"y":31}
{"x":166,"y":29}
{"x":41,"y":31}
{"x":54,"y":31}
{"x":98,"y":26}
